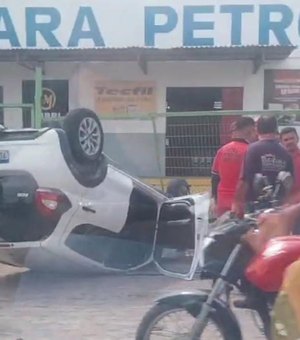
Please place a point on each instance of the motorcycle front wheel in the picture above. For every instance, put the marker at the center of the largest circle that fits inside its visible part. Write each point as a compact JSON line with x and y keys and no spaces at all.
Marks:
{"x":165,"y":321}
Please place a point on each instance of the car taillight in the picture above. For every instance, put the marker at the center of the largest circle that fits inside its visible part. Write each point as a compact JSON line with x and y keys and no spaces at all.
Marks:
{"x":51,"y":203}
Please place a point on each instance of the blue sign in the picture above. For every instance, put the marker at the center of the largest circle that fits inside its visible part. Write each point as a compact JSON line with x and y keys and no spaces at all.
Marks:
{"x":266,"y":24}
{"x":47,"y":29}
{"x":176,"y":24}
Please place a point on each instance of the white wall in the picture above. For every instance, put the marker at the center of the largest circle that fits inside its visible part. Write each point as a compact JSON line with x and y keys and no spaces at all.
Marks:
{"x":172,"y":74}
{"x":166,"y":74}
{"x":82,"y":77}
{"x":179,"y":74}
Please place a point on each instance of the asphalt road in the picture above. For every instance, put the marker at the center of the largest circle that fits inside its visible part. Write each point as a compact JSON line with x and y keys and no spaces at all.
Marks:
{"x":35,"y":307}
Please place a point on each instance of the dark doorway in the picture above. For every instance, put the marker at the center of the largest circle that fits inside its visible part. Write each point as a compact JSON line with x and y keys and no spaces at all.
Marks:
{"x":193,"y":140}
{"x":188,"y":99}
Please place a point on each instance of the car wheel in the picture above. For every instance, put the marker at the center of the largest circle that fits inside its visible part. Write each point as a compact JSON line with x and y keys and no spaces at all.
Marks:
{"x":85,"y":134}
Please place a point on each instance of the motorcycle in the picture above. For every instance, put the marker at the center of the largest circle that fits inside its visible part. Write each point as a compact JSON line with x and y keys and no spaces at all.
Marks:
{"x":212,"y":309}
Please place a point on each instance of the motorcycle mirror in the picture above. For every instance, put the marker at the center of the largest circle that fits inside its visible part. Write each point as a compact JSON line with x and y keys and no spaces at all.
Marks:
{"x":286,"y":179}
{"x":260,"y":182}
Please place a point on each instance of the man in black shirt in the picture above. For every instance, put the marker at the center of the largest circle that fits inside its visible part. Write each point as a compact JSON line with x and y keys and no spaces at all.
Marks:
{"x":267,"y":157}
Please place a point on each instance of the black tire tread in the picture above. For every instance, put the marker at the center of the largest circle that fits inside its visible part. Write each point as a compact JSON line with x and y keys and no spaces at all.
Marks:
{"x":161,"y":308}
{"x":70,"y":125}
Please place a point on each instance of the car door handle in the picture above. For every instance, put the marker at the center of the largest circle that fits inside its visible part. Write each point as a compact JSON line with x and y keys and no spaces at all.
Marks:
{"x":88,"y":208}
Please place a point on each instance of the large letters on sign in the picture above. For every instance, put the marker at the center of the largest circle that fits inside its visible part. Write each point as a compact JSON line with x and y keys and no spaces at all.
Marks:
{"x":193,"y":26}
{"x":47,"y":28}
{"x":153,"y":23}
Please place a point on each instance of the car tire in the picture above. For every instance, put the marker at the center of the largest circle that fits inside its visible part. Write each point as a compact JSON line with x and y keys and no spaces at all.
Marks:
{"x":85,"y":134}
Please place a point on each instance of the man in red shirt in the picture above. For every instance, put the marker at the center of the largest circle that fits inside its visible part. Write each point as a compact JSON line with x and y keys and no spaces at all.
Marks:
{"x":290,"y":139}
{"x":227,"y":164}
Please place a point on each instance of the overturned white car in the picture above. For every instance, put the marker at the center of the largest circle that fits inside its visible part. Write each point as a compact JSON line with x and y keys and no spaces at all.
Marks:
{"x":64,"y":208}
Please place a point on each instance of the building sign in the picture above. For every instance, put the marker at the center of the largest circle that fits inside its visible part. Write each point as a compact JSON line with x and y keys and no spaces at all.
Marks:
{"x":125,"y":97}
{"x":158,"y":23}
{"x":282,"y":92}
{"x":54,"y":101}
{"x":49,"y":102}
{"x":282,"y":89}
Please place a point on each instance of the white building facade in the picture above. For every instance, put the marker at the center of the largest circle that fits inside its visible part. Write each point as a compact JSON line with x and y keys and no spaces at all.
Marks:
{"x":95,"y":51}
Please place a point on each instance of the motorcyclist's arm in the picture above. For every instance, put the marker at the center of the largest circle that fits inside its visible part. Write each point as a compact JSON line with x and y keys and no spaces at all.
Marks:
{"x":291,"y":214}
{"x":293,"y":196}
{"x":215,"y":177}
{"x":215,"y":180}
{"x":284,"y":218}
{"x":275,"y":224}
{"x":241,"y":191}
{"x":248,"y":170}
{"x":238,"y":205}
{"x":291,"y":285}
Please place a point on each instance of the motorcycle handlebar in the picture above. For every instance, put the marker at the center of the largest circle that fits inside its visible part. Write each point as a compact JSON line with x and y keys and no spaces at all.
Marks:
{"x":250,"y":221}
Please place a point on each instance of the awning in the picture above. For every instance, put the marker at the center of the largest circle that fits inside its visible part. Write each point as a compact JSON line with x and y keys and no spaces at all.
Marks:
{"x":257,"y":54}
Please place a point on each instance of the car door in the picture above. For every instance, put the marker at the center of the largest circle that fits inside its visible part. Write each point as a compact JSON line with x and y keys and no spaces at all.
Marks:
{"x":181,"y":228}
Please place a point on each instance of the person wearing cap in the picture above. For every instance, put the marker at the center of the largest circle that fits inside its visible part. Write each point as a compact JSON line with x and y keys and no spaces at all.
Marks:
{"x":228,"y":162}
{"x":267,"y":157}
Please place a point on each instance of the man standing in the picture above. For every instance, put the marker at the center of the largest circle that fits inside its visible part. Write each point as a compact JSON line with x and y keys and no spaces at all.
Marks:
{"x":228,"y":162}
{"x":290,"y":139}
{"x":267,"y":157}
